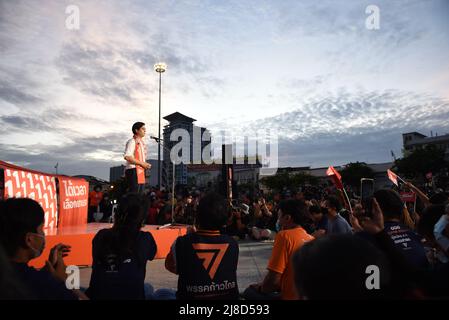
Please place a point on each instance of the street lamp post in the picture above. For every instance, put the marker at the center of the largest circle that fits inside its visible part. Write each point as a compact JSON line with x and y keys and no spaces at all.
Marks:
{"x":172,"y":188}
{"x":159,"y":68}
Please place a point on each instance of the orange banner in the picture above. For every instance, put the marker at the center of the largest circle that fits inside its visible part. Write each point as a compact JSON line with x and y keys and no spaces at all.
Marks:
{"x":31,"y":184}
{"x":73,"y":201}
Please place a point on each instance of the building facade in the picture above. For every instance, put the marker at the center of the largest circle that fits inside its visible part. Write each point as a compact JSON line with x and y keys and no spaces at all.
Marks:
{"x":415,"y":140}
{"x":195,"y":147}
{"x":116,"y":173}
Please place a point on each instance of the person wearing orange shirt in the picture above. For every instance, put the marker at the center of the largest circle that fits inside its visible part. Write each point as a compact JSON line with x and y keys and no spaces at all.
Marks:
{"x":95,"y":198}
{"x":279,"y":281}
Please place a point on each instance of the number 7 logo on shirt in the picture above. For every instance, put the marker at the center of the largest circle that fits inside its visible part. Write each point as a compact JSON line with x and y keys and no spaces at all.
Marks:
{"x":211,"y":254}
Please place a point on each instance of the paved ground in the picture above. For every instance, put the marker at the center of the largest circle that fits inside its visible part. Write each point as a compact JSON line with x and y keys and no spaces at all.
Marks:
{"x":253,"y":260}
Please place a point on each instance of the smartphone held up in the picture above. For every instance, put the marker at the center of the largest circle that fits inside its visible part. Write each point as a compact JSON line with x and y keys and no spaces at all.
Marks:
{"x":367,"y":195}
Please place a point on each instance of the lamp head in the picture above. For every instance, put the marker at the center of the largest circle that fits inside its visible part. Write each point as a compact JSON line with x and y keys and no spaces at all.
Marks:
{"x":160,"y":67}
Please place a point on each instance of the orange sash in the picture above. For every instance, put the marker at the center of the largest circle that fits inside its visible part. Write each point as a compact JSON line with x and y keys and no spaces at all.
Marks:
{"x":138,"y":155}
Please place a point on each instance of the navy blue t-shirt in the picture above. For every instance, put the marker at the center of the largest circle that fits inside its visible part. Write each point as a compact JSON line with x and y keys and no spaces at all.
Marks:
{"x":41,"y":284}
{"x":409,"y":242}
{"x":323,"y":224}
{"x":114,"y":278}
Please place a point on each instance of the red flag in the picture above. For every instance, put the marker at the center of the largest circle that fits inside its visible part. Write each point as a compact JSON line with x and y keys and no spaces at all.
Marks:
{"x":393,"y":177}
{"x":336,"y":177}
{"x":331,"y":171}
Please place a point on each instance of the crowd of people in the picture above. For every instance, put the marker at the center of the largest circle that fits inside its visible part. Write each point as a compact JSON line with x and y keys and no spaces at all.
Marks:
{"x":324,"y":247}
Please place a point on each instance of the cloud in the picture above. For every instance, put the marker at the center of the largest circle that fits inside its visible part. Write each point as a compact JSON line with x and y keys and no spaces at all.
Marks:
{"x":18,"y":86}
{"x":25,"y":123}
{"x":112,"y":71}
{"x":325,"y":150}
{"x":81,"y":85}
{"x":347,"y":127}
{"x":49,"y":120}
{"x":361,"y":113}
{"x":99,"y":70}
{"x":16,"y":94}
{"x":44,"y":160}
{"x":347,"y":19}
{"x":76,"y":157}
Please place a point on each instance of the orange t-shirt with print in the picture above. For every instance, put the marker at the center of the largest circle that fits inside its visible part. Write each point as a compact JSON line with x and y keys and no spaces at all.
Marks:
{"x":285,"y":245}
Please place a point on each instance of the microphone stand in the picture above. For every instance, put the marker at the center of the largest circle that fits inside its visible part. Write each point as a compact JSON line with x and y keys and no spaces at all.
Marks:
{"x":172,"y":224}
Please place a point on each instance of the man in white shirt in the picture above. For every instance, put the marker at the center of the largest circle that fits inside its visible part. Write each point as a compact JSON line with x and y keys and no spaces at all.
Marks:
{"x":135,"y":155}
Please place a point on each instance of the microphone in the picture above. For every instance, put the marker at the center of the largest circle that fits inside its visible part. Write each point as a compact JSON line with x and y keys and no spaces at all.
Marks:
{"x":155,"y":138}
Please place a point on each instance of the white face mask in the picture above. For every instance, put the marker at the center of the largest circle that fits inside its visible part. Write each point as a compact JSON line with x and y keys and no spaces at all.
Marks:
{"x":38,"y":252}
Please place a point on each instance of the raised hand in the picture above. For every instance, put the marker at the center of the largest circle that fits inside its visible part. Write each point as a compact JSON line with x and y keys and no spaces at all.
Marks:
{"x":55,"y":263}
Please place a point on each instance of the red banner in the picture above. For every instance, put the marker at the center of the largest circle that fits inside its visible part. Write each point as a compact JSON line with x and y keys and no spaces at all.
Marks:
{"x":408,"y":196}
{"x":73,"y":201}
{"x":31,"y":184}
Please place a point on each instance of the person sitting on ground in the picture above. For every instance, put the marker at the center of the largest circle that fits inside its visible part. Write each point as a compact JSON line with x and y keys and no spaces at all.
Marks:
{"x":165,"y":214}
{"x":153,"y":212}
{"x":106,"y":207}
{"x":436,"y":254}
{"x":334,"y":267}
{"x":262,"y":230}
{"x":351,"y":267}
{"x":410,"y":279}
{"x":279,"y":280}
{"x":404,"y":238}
{"x":436,"y":280}
{"x":23,"y":239}
{"x":441,"y":230}
{"x":120,"y":254}
{"x":11,"y":288}
{"x":184,"y":211}
{"x":238,"y":221}
{"x":189,"y":209}
{"x":205,"y":260}
{"x":319,"y":221}
{"x":336,"y":223}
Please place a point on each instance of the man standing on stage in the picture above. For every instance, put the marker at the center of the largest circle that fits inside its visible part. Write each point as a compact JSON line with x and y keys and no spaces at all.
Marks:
{"x":135,"y":155}
{"x":95,"y":197}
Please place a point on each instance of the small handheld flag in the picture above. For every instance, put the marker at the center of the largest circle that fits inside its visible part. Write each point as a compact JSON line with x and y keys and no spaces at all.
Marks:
{"x":336,"y":177}
{"x":393,"y":177}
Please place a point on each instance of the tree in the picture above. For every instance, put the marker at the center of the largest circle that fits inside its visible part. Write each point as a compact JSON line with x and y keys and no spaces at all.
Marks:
{"x":422,"y":161}
{"x":277,"y":181}
{"x":302,"y":178}
{"x":283,"y":180}
{"x":353,"y":172}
